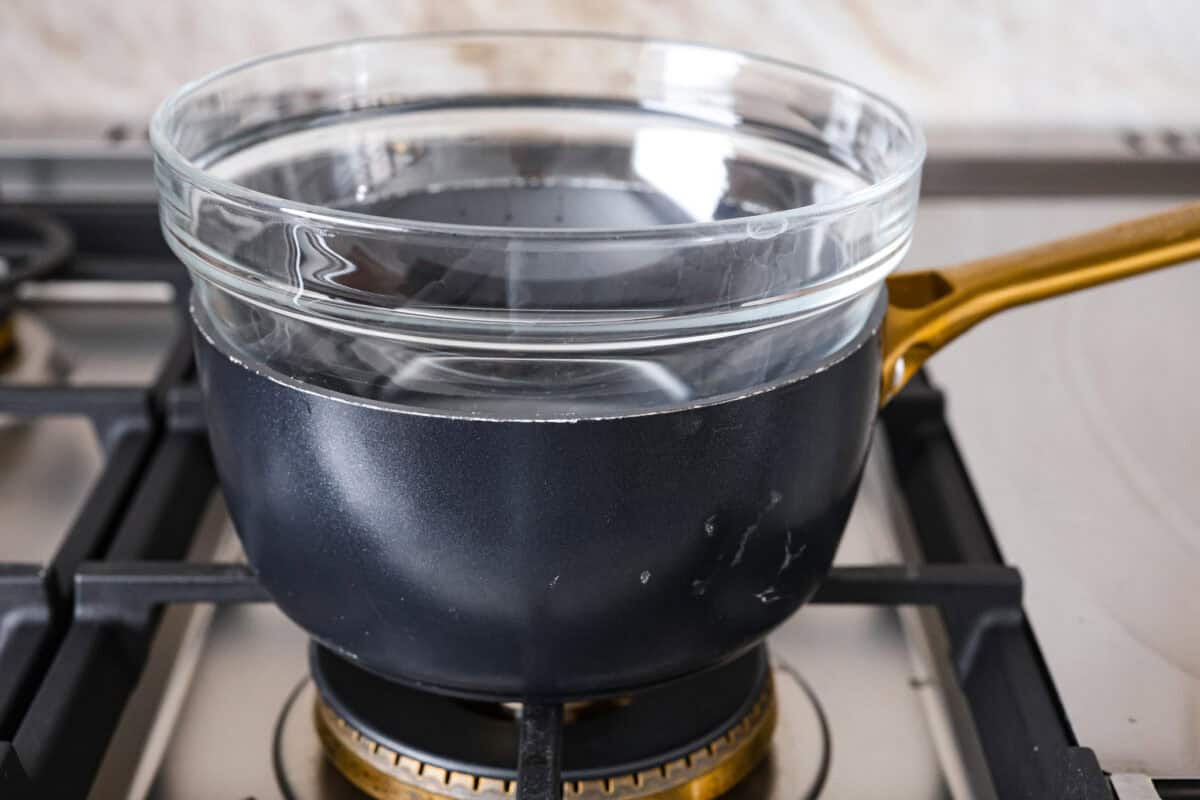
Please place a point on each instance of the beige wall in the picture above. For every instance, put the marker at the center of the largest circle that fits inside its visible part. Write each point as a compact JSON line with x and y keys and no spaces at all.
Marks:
{"x":74,"y":67}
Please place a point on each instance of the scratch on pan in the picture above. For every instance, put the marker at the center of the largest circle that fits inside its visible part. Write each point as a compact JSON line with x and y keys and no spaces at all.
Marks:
{"x":753,"y":527}
{"x":790,"y":555}
{"x":553,"y":581}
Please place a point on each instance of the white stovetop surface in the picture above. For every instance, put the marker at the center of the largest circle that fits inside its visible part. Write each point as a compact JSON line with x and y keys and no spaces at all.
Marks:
{"x":1078,"y":420}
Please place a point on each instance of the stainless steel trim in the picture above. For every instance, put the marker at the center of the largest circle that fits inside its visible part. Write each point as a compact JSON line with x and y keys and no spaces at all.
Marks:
{"x":951,"y":723}
{"x":1129,"y":786}
{"x":90,"y":292}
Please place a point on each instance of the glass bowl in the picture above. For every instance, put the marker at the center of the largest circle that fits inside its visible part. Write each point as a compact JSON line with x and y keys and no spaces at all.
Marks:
{"x":535,"y":226}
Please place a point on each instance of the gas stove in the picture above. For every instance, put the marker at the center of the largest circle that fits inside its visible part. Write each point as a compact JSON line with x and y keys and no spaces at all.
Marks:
{"x":139,"y":657}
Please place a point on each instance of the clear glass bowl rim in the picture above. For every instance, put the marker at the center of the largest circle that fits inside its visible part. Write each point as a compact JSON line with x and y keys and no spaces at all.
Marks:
{"x":900,"y":173}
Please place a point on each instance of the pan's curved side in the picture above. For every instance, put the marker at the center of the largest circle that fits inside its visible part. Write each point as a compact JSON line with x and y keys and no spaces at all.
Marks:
{"x":537,"y":558}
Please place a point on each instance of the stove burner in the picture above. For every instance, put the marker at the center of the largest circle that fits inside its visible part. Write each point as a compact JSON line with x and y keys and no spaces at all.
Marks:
{"x":32,"y":246}
{"x":794,"y":767}
{"x":699,"y":736}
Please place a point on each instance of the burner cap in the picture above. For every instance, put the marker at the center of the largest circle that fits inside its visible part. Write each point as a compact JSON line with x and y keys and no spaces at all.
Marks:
{"x":705,"y":731}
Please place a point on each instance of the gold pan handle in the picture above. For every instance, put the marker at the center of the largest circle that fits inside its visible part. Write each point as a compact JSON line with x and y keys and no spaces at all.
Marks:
{"x":928,"y":309}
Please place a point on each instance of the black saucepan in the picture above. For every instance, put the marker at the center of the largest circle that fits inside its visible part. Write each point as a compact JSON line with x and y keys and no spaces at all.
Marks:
{"x":556,"y":560}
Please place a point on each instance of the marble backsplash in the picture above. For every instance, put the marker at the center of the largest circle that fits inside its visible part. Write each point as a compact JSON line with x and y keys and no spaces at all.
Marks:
{"x":73,"y":69}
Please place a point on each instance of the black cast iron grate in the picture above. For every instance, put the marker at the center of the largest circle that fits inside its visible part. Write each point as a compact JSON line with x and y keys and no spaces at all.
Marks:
{"x":36,"y":599}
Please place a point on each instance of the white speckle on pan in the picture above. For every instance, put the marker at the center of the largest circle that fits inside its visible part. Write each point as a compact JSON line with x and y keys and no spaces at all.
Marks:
{"x":769,"y":595}
{"x":644,"y":577}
